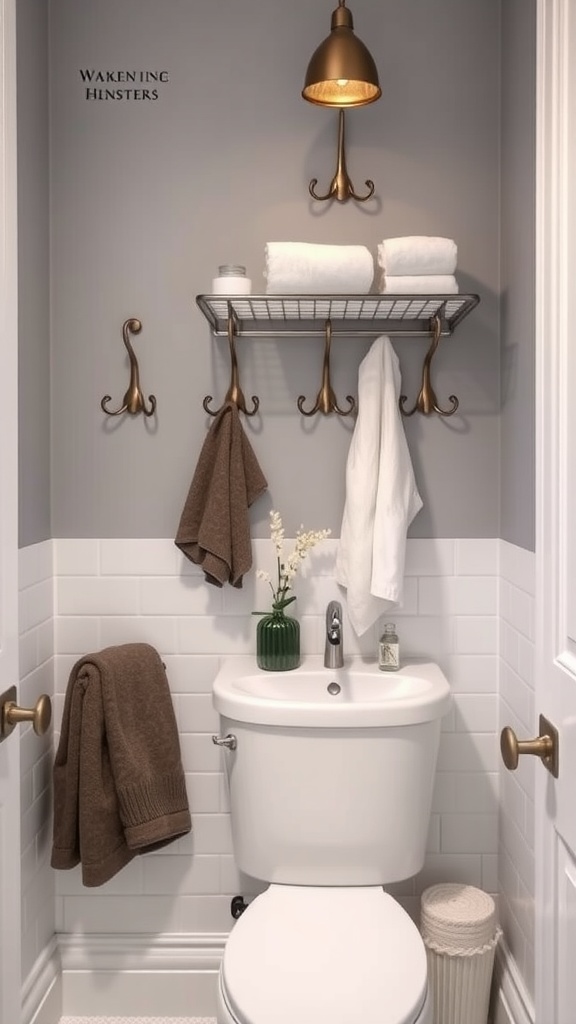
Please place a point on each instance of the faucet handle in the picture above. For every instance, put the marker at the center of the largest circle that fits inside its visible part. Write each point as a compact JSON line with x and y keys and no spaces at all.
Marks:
{"x":334,"y":622}
{"x":333,"y":613}
{"x":333,"y":652}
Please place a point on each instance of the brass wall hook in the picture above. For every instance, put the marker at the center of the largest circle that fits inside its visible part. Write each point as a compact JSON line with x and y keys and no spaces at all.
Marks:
{"x":234,"y":393}
{"x":326,"y":401}
{"x":341,"y":187}
{"x":133,"y":401}
{"x":427,"y":402}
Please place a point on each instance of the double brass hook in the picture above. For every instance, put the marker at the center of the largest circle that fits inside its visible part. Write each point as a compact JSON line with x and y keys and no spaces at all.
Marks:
{"x":133,"y":401}
{"x":234,"y":393}
{"x":341,"y":187}
{"x":427,"y":402}
{"x":326,"y":401}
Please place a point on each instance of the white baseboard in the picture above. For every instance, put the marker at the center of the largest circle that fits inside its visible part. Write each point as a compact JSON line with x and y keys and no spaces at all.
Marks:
{"x":41,"y":992}
{"x":49,"y":1010}
{"x":176,"y":976}
{"x":148,"y":975}
{"x":512,"y":1003}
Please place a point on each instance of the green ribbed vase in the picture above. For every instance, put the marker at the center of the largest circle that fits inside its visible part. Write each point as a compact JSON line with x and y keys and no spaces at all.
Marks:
{"x":278,"y":642}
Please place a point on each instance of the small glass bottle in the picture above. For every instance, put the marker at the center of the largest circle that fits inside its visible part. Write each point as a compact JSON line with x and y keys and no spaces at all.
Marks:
{"x":389,"y":649}
{"x":231,"y":280}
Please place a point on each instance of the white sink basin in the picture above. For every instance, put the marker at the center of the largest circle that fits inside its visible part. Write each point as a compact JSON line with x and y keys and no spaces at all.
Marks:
{"x":367,"y":697}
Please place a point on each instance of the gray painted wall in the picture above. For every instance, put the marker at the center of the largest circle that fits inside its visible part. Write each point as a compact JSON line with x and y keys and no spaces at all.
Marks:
{"x":148,"y":197}
{"x":33,"y":272}
{"x":517,"y":274}
{"x":278,"y":370}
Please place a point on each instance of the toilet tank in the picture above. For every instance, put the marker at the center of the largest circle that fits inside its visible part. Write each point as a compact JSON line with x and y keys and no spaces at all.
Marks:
{"x":323,"y":806}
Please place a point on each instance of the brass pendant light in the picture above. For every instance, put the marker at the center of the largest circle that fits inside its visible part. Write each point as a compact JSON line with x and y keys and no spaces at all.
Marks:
{"x":341,"y":74}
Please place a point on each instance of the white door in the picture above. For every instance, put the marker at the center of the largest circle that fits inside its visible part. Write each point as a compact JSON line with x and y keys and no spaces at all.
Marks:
{"x":10,"y":985}
{"x":556,"y":508}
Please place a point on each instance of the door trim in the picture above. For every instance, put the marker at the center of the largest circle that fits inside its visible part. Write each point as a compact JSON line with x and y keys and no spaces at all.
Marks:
{"x":551,"y":320}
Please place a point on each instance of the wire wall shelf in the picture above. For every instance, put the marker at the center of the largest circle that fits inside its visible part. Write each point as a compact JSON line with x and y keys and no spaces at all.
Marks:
{"x":356,"y":315}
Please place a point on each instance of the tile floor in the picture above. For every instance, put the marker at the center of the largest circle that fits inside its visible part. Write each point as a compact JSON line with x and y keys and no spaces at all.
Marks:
{"x":138,"y":1020}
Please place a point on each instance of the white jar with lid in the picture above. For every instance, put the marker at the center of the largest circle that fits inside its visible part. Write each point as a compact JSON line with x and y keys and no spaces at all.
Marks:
{"x":231,"y":280}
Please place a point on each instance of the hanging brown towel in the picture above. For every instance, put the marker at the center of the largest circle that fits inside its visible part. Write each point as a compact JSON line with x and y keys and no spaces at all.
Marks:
{"x":214,"y":530}
{"x":119,"y":786}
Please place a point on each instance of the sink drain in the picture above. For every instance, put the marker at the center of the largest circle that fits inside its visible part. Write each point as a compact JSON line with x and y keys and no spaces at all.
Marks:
{"x":334,"y":688}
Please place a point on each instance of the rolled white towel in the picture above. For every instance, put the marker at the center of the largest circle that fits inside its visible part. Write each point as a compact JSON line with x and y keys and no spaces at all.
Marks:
{"x":423,"y":284}
{"x":418,"y":254}
{"x":304,"y":267}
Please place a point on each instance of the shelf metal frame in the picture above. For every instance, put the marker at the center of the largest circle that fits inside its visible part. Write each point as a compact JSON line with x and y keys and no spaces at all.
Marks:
{"x":277,"y":316}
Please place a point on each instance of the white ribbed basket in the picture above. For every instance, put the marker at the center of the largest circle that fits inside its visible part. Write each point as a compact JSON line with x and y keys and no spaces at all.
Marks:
{"x":458,"y":924}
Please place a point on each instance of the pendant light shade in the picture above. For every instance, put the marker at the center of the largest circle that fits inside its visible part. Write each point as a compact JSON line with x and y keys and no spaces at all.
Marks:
{"x":341,"y":72}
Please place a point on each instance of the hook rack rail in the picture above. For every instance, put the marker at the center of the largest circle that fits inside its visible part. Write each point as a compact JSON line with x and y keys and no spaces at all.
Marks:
{"x":276,"y":316}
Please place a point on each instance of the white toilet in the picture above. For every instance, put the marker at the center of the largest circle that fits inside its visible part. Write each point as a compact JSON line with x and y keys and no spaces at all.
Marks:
{"x":327,"y":807}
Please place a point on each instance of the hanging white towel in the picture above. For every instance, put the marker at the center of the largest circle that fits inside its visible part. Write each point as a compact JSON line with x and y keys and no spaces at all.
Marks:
{"x":381,"y":494}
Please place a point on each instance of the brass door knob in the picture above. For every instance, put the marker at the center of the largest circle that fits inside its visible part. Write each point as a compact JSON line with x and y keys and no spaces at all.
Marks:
{"x":11,"y":714}
{"x":544,"y":746}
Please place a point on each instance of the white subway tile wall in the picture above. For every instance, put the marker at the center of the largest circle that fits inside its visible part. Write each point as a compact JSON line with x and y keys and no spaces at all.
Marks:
{"x":118,"y":591}
{"x":516,"y":708}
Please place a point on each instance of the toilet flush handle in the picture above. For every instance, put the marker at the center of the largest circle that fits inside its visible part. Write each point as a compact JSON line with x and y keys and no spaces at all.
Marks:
{"x":228,"y":741}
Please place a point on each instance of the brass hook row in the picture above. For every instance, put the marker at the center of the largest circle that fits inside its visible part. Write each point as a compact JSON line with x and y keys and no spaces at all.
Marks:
{"x":326,"y":401}
{"x":133,"y":401}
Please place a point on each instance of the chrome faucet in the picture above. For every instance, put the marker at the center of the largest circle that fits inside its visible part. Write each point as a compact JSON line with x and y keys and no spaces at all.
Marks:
{"x":334,"y":649}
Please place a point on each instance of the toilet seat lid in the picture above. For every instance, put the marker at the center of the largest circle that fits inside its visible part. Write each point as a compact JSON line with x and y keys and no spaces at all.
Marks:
{"x":316,"y":955}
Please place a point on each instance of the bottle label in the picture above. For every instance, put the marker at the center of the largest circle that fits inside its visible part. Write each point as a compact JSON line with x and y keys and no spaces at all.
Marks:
{"x":389,"y":655}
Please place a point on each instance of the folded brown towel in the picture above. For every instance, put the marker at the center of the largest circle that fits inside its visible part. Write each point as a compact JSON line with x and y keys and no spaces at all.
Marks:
{"x":119,"y":786}
{"x":214,"y":529}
